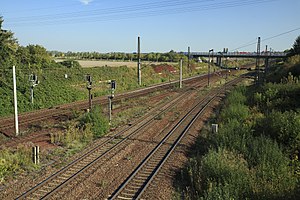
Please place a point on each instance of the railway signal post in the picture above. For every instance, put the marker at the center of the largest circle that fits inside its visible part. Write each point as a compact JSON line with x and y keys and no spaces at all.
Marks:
{"x":33,"y":79}
{"x":89,"y":87}
{"x":110,"y":98}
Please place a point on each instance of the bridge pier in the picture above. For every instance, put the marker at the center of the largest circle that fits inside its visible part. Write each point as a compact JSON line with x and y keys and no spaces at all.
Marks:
{"x":219,"y":61}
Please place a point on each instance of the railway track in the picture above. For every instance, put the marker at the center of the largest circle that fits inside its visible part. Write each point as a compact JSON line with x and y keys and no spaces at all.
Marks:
{"x":64,"y":110}
{"x":134,"y":186}
{"x":56,"y":184}
{"x":7,"y":124}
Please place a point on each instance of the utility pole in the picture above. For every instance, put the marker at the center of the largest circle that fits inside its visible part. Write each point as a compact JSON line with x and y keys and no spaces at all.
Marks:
{"x":139,"y":62}
{"x":208,"y":70}
{"x":180,"y":74}
{"x":266,"y":61}
{"x":257,"y":61}
{"x":15,"y":101}
{"x":189,"y":57}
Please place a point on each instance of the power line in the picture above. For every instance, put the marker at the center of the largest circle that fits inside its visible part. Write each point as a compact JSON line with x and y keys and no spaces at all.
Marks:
{"x":275,"y":36}
{"x":134,"y":11}
{"x":269,"y":38}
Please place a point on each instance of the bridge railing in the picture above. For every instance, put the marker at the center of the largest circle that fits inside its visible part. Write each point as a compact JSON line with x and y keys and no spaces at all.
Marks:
{"x":238,"y":54}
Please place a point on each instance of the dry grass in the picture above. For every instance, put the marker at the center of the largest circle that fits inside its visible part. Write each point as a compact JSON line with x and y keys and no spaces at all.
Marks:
{"x":110,"y":63}
{"x":100,"y":63}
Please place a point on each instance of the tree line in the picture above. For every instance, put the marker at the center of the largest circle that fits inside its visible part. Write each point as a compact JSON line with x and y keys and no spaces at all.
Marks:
{"x":171,"y":56}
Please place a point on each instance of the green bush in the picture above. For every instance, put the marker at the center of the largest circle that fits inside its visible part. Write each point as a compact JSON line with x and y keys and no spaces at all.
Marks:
{"x":243,"y":162}
{"x":283,"y":127}
{"x":237,"y":112}
{"x":283,"y":96}
{"x":99,"y":123}
{"x":12,"y":162}
{"x":225,"y":174}
{"x":237,"y":96}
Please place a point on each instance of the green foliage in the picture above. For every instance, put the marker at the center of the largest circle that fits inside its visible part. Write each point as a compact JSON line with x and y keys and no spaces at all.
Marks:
{"x":283,"y":127}
{"x":55,"y":89}
{"x":170,"y":56}
{"x":235,"y":108}
{"x":277,"y":72}
{"x":225,"y":167}
{"x":281,"y":96}
{"x":99,"y":123}
{"x":243,"y":160}
{"x":8,"y":47}
{"x":12,"y":162}
{"x":296,"y":47}
{"x":70,"y":63}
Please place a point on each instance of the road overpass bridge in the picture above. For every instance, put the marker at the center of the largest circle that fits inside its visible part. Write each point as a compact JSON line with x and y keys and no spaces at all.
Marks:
{"x":237,"y":54}
{"x":221,"y":55}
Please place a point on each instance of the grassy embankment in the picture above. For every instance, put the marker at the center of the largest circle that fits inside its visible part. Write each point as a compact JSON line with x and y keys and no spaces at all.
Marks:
{"x":255,"y":154}
{"x":55,"y":89}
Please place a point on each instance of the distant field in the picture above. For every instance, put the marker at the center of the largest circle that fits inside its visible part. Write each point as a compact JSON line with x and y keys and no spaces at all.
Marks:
{"x":100,"y":63}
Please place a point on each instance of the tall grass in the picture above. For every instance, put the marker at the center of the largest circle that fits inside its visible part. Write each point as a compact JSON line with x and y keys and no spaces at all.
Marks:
{"x":99,"y":123}
{"x":14,"y":162}
{"x":240,"y":162}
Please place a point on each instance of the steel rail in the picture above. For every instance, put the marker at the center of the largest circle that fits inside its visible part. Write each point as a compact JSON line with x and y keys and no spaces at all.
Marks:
{"x":32,"y":190}
{"x":137,"y":192}
{"x":35,"y":116}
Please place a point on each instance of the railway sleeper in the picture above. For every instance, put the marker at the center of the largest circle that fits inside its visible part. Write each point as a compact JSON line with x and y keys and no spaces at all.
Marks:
{"x":43,"y":191}
{"x":152,"y":164}
{"x":32,"y":198}
{"x":134,"y":187}
{"x":141,"y":178}
{"x":37,"y":194}
{"x":149,"y":168}
{"x":82,"y":164}
{"x":138,"y":181}
{"x":61,"y":178}
{"x":157,"y":159}
{"x":129,"y":190}
{"x":144,"y":175}
{"x":125,"y":198}
{"x":49,"y":187}
{"x":73,"y":170}
{"x":131,"y":194}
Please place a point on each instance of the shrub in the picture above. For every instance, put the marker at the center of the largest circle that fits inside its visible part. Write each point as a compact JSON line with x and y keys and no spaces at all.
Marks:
{"x":272,"y":176}
{"x":283,"y":127}
{"x":99,"y":123}
{"x":15,"y":161}
{"x":225,"y":174}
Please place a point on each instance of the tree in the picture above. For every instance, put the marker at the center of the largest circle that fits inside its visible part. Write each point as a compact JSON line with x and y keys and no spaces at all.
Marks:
{"x":8,"y":46}
{"x":39,"y":56}
{"x":23,"y":55}
{"x":296,"y":47}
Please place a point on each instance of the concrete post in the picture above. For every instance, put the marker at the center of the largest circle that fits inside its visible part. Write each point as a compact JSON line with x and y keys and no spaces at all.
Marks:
{"x":36,"y":155}
{"x":15,"y":101}
{"x":180,"y":75}
{"x":139,"y":62}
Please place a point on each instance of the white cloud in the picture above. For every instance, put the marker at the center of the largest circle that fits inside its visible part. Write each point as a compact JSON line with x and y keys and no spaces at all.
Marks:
{"x":85,"y":2}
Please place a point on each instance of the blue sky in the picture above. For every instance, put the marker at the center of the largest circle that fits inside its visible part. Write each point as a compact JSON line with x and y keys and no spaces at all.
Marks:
{"x":163,"y":25}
